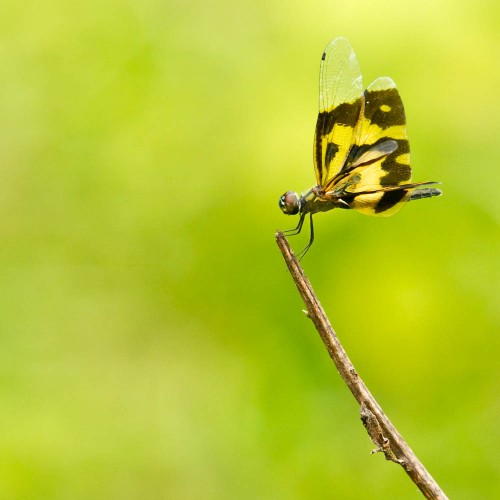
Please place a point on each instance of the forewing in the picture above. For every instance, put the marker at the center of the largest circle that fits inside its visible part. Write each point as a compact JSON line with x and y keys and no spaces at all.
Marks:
{"x":340,"y":107}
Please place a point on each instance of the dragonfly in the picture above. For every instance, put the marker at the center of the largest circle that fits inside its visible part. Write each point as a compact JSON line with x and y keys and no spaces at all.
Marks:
{"x":361,"y":151}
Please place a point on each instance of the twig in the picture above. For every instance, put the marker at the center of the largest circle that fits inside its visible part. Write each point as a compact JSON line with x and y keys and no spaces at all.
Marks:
{"x":380,"y":429}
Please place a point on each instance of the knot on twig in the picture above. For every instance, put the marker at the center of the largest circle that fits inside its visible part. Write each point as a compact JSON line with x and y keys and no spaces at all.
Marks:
{"x":376,"y":434}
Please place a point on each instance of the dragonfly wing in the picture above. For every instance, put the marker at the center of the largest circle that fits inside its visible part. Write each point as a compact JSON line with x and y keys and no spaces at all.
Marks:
{"x":377,"y":173}
{"x":384,"y":120}
{"x":340,"y":107}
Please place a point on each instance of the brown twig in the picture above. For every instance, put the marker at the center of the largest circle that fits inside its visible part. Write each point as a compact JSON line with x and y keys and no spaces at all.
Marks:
{"x":380,"y":429}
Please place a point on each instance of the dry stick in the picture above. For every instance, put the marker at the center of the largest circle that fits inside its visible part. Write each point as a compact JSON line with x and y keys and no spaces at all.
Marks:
{"x":380,"y":429}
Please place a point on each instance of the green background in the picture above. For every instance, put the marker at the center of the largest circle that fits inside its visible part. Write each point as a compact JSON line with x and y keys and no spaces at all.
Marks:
{"x":152,"y":343}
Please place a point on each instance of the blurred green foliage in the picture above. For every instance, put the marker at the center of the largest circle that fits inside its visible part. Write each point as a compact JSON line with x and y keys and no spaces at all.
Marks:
{"x":152,"y":343}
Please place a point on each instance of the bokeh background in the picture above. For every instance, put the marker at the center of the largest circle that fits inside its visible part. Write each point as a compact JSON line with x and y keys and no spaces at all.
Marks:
{"x":152,"y":344}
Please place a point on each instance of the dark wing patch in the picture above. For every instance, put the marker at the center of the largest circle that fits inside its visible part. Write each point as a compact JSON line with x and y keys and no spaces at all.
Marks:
{"x":389,"y":199}
{"x":384,"y":108}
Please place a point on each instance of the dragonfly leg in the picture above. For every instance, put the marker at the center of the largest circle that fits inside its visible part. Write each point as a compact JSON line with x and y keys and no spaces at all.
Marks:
{"x":301,"y":254}
{"x":296,"y":230}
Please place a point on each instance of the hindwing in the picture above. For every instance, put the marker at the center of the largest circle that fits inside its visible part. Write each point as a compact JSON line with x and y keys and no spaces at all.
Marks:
{"x":379,"y":158}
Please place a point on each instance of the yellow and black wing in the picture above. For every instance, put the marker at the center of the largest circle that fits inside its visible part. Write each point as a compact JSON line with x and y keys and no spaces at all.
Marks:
{"x":361,"y":148}
{"x":340,"y":106}
{"x":382,"y":128}
{"x":376,"y":177}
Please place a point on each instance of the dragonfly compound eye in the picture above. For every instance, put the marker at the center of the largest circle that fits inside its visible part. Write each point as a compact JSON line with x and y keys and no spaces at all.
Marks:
{"x":290,"y":203}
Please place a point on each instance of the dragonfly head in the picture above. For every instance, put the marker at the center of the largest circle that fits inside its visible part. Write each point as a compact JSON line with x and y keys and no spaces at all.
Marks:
{"x":290,"y":203}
